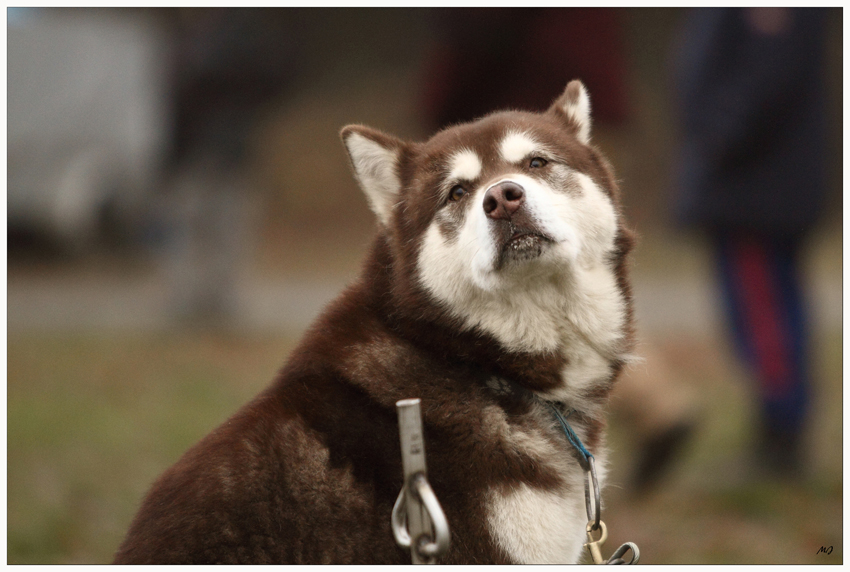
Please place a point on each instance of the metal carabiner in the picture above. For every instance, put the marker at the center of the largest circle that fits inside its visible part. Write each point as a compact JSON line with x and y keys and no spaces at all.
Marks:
{"x":617,"y":557}
{"x":418,"y":521}
{"x":399,"y":522}
{"x":427,"y":547}
{"x":594,"y":522}
{"x":425,"y":494}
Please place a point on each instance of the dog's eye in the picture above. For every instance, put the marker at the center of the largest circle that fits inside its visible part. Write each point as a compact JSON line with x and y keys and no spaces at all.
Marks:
{"x":537,"y":162}
{"x":456,"y":193}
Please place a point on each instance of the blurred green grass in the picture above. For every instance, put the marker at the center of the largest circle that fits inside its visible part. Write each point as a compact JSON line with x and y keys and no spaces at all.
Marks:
{"x":93,"y":419}
{"x":716,"y":507}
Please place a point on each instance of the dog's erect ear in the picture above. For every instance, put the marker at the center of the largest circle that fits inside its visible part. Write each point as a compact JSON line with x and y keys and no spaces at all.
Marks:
{"x":375,"y":157}
{"x":574,"y":104}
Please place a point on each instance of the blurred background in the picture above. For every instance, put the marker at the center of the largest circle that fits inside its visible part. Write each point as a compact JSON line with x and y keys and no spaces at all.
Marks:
{"x":180,"y":208}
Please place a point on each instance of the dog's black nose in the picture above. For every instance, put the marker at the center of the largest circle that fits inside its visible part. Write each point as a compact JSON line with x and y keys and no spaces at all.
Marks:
{"x":503,"y":200}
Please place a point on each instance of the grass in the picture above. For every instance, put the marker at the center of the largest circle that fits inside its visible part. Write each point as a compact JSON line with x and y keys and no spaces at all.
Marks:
{"x":94,"y":418}
{"x":715,"y":507}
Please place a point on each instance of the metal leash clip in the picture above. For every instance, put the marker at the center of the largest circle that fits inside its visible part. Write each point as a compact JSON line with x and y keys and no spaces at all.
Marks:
{"x":594,"y":510}
{"x":418,"y":521}
{"x":594,"y":523}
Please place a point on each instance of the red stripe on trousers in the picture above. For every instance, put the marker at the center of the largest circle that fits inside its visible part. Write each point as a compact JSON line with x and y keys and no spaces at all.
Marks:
{"x":761,"y":306}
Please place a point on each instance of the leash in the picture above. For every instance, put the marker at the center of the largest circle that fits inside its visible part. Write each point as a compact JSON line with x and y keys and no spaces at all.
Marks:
{"x":418,"y":521}
{"x":594,"y":509}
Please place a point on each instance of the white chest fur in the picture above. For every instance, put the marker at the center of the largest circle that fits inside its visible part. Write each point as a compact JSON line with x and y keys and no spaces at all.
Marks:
{"x":538,"y":526}
{"x":531,"y":524}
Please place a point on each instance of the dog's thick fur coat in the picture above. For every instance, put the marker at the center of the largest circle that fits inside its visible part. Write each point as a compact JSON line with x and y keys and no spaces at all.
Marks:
{"x":497,"y":280}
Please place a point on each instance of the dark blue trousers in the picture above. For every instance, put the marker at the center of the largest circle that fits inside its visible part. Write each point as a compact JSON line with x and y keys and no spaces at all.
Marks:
{"x":764,"y":302}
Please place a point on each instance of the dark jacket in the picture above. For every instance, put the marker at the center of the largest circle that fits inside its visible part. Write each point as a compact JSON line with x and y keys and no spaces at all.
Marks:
{"x":752,"y":110}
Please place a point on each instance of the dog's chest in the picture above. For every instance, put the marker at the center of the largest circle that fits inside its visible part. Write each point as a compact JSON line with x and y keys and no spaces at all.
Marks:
{"x":533,"y":524}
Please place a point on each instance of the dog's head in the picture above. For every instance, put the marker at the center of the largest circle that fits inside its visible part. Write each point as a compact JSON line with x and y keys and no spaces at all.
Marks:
{"x":490,"y":217}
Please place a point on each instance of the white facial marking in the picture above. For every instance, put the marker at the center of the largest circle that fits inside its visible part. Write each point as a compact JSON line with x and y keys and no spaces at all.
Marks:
{"x":374,"y":166}
{"x":565,"y":298}
{"x":517,"y":146}
{"x":464,"y":166}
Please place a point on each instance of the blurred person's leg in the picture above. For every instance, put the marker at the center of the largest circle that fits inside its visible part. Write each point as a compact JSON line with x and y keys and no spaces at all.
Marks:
{"x":764,"y":302}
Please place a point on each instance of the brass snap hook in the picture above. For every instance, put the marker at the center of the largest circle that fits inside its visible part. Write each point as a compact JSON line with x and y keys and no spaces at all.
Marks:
{"x":593,"y":546}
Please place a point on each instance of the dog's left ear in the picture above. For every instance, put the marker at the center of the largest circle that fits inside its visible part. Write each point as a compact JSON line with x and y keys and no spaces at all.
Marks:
{"x":574,"y":106}
{"x":375,"y":158}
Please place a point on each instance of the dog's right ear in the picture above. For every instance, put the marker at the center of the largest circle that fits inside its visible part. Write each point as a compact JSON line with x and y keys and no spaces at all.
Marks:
{"x":375,"y":157}
{"x":574,"y":106}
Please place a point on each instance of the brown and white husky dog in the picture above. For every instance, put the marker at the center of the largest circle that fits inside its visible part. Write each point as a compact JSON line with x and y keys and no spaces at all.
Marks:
{"x":496,"y":282}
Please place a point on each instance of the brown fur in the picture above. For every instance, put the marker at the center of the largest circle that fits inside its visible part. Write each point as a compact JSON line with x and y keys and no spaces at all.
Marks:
{"x":309,"y":470}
